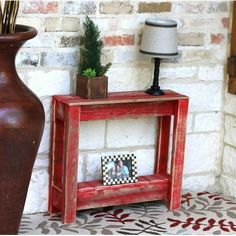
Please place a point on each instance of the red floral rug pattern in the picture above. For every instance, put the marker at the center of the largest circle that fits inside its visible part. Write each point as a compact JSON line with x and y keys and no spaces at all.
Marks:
{"x":201,"y":213}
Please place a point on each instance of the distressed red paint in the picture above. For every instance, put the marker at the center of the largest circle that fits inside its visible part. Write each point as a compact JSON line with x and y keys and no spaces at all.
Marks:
{"x":67,"y":196}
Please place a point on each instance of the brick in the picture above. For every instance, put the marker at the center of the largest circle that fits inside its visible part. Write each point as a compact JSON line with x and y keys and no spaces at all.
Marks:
{"x":194,"y":55}
{"x":127,"y":78}
{"x":41,"y":41}
{"x":217,"y":7}
{"x":189,"y":123}
{"x":44,"y":83}
{"x":191,"y":39}
{"x":205,"y":158}
{"x":34,"y":22}
{"x":180,"y":72}
{"x":77,"y":8}
{"x":217,"y":38}
{"x":46,"y":101}
{"x":27,"y":59}
{"x":92,"y":135}
{"x":183,"y":7}
{"x":230,"y":130}
{"x":125,"y":54}
{"x":229,"y":103}
{"x":228,"y":184}
{"x":58,"y":59}
{"x":37,"y":196}
{"x":39,"y":7}
{"x":229,"y":161}
{"x":116,"y":7}
{"x":119,"y":40}
{"x":71,"y":24}
{"x":199,"y":183}
{"x":199,"y":23}
{"x":69,"y":41}
{"x":207,"y":122}
{"x":45,"y":141}
{"x":202,"y":97}
{"x":107,"y":23}
{"x":152,"y":7}
{"x":92,"y":166}
{"x":225,"y":22}
{"x":211,"y":73}
{"x":81,"y":174}
{"x":135,"y":132}
{"x":52,"y":24}
{"x":107,"y":56}
{"x":41,"y":162}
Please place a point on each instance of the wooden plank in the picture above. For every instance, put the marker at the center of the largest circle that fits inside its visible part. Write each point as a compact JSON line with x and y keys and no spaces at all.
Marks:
{"x":177,"y":160}
{"x":231,"y":60}
{"x":233,"y":31}
{"x":51,"y":209}
{"x":57,"y":199}
{"x":60,"y":110}
{"x":153,"y":187}
{"x":121,"y":97}
{"x":162,"y":146}
{"x":122,"y":200}
{"x":116,"y":111}
{"x":70,"y":164}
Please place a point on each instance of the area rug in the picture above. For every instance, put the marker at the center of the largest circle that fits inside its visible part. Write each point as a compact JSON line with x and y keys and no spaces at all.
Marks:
{"x":201,"y":213}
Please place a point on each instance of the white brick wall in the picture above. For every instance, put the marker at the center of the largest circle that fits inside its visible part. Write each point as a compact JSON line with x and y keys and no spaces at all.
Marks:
{"x":47,"y":64}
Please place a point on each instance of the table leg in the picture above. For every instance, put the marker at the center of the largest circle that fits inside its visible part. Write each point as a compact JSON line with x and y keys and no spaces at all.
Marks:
{"x":70,"y":164}
{"x":177,"y":160}
{"x":162,"y":145}
{"x":52,"y":164}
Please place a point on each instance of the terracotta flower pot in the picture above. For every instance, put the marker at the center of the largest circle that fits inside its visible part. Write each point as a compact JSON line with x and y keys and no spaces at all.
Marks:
{"x":21,"y":128}
{"x":90,"y":88}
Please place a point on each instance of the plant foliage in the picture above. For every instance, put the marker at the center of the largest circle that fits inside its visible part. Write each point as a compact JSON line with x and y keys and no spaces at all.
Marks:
{"x":8,"y":16}
{"x":90,"y":52}
{"x":89,"y":73}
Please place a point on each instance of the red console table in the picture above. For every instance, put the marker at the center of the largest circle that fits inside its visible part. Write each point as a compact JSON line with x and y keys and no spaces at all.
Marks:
{"x":67,"y":196}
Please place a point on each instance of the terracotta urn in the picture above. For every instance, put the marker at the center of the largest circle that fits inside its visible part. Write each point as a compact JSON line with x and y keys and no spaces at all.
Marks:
{"x":21,"y":127}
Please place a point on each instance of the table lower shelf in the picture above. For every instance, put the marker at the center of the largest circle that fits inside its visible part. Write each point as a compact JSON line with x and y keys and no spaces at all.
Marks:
{"x":93,"y":194}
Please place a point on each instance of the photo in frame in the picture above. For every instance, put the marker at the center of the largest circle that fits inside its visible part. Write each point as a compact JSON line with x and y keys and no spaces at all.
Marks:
{"x":119,"y":169}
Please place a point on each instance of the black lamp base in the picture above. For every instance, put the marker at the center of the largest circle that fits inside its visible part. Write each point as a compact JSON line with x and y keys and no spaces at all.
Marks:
{"x":155,"y":88}
{"x":155,"y":92}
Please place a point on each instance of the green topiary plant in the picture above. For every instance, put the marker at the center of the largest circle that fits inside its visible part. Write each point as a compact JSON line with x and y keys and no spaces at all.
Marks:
{"x":90,"y":53}
{"x":8,"y":16}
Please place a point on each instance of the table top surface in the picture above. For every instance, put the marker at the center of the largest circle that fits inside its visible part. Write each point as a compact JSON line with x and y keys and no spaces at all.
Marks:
{"x":120,"y":97}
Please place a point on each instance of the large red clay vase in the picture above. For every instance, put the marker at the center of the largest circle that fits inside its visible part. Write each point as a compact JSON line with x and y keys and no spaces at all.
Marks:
{"x":21,"y":127}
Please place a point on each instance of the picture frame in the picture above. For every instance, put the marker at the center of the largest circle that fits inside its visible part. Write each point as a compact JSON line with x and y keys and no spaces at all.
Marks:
{"x":119,"y":169}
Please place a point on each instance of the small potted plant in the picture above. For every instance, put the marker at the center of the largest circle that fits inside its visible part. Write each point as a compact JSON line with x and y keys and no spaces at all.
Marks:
{"x":91,"y":79}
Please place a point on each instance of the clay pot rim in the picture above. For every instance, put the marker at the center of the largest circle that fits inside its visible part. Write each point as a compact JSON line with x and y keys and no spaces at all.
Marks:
{"x":22,"y":33}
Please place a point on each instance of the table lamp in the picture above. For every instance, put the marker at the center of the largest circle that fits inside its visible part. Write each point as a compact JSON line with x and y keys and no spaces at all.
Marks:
{"x":159,"y":40}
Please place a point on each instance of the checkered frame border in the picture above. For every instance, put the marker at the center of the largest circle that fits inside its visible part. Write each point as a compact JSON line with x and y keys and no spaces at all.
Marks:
{"x":123,"y":157}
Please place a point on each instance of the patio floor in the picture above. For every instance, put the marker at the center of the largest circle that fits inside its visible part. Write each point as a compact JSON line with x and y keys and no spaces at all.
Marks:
{"x":201,"y":213}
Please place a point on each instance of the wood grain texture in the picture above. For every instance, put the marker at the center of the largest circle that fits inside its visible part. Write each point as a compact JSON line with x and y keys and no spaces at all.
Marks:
{"x":66,"y":195}
{"x":177,"y":158}
{"x":162,"y":149}
{"x":231,"y":68}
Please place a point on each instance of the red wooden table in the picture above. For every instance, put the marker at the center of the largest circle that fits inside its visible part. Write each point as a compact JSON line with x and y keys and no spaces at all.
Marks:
{"x":67,"y":196}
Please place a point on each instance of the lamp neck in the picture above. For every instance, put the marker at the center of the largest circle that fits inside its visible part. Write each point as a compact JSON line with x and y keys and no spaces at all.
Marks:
{"x":156,"y":72}
{"x":155,"y":88}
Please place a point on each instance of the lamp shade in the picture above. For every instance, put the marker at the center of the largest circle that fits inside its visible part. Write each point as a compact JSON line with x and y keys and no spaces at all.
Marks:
{"x":160,"y":38}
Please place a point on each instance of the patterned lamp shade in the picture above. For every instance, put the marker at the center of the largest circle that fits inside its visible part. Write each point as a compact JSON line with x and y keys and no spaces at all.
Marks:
{"x":160,"y":38}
